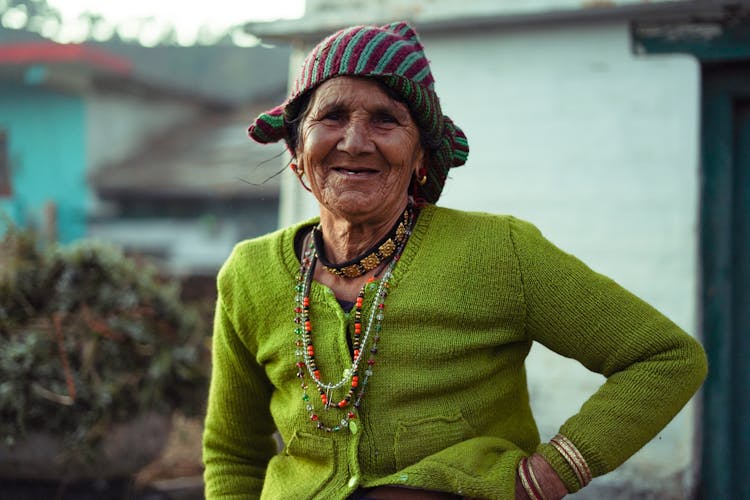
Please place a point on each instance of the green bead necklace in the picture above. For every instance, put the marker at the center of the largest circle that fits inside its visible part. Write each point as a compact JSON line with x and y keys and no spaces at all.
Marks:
{"x":305,"y":350}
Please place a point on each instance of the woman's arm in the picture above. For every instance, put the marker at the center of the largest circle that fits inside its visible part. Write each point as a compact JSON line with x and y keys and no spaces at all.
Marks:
{"x":545,"y":478}
{"x":237,"y":440}
{"x":652,"y":366}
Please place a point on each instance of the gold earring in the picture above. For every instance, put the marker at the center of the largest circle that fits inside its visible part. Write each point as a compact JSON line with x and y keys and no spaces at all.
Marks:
{"x":423,"y":179}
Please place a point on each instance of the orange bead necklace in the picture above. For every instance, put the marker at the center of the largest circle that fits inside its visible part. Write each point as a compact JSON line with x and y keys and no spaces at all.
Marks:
{"x":307,"y":367}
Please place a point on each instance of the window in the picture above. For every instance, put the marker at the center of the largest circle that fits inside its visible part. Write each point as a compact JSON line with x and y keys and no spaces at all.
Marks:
{"x":5,"y":187}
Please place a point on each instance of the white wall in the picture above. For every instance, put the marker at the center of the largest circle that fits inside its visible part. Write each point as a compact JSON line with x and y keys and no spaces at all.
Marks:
{"x":598,"y":148}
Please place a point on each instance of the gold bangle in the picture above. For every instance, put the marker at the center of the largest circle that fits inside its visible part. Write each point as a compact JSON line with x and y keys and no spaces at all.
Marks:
{"x":534,"y":482}
{"x":574,"y":458}
{"x":528,"y":480}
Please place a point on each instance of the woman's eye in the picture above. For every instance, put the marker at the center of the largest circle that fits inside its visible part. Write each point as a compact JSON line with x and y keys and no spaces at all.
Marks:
{"x":332,"y":114}
{"x":386,"y":119}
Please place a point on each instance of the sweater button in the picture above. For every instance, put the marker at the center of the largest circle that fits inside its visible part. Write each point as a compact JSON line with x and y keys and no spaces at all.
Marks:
{"x":353,"y":481}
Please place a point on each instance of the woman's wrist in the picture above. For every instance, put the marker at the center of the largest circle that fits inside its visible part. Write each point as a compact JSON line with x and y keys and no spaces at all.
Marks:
{"x":537,"y":480}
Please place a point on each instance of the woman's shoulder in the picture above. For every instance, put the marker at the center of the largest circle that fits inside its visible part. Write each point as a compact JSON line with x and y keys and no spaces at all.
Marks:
{"x":271,"y":252}
{"x":482,"y":221}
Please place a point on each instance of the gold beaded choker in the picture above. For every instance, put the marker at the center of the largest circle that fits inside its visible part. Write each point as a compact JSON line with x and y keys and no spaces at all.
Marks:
{"x":379,"y":253}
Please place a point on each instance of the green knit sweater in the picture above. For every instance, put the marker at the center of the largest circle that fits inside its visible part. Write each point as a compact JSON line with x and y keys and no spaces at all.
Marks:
{"x":447,"y":407}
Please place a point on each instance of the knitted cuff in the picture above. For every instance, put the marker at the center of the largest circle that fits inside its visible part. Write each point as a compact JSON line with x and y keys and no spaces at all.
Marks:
{"x":571,"y":474}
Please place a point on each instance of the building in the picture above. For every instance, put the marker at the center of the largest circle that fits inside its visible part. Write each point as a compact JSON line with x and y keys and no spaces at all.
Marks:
{"x":133,"y":145}
{"x":620,"y":129}
{"x":190,"y":195}
{"x":43,"y":132}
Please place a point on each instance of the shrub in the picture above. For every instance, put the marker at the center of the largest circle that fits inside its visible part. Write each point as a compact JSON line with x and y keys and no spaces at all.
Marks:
{"x":90,"y":337}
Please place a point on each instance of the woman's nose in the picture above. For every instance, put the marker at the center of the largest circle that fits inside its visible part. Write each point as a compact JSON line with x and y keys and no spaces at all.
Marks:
{"x":356,"y":138}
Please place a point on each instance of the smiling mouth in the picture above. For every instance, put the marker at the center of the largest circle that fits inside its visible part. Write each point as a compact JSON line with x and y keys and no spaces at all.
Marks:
{"x":355,"y":171}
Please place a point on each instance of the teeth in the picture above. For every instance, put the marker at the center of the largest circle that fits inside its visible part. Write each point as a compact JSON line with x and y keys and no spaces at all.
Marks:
{"x":353,"y":172}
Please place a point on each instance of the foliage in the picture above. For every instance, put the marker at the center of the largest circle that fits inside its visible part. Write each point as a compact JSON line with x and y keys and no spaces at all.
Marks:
{"x":89,"y":337}
{"x":33,"y":8}
{"x":38,"y":16}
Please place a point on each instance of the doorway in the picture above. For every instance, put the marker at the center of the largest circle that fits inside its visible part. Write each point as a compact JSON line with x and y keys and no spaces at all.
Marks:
{"x":725,"y":275}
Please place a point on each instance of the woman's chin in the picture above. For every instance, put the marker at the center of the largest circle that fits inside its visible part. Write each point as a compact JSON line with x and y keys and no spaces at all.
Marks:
{"x":354,"y":204}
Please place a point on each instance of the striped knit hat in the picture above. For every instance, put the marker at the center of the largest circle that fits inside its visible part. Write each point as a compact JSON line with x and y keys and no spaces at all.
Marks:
{"x":394,"y":55}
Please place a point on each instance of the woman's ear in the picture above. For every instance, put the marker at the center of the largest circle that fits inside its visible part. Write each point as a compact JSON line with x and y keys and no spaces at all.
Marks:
{"x":420,"y":167}
{"x":299,"y":171}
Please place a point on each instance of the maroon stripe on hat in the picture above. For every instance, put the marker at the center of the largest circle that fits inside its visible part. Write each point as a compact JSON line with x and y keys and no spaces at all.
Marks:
{"x":320,"y":70}
{"x":266,"y":128}
{"x":304,"y":70}
{"x":307,"y":77}
{"x":377,"y":55}
{"x":402,"y":28}
{"x":406,"y":31}
{"x":318,"y":55}
{"x":396,"y":59}
{"x":415,"y":68}
{"x":318,"y":66}
{"x":322,"y":54}
{"x":356,"y":50}
{"x":336,"y":62}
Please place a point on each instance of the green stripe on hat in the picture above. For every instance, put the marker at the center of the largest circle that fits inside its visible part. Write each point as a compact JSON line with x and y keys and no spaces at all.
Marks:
{"x":422,"y":74}
{"x":408,"y":62}
{"x":332,"y":51}
{"x":386,"y":58}
{"x":348,"y":50}
{"x":364,"y":58}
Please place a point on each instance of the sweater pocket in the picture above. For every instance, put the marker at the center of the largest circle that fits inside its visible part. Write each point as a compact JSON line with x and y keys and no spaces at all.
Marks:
{"x":419,"y":439}
{"x":302,"y":469}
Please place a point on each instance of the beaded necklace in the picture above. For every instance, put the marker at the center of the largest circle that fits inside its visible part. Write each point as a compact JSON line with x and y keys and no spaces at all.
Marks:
{"x":305,"y":350}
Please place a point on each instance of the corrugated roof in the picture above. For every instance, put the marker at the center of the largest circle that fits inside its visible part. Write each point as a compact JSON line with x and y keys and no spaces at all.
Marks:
{"x":24,"y":53}
{"x":234,"y":75}
{"x":210,"y":158}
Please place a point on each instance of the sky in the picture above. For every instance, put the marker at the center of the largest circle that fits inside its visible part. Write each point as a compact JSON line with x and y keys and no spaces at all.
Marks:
{"x":193,"y":21}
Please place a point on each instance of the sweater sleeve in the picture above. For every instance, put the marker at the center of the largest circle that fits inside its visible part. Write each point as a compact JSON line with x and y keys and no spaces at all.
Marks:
{"x":652,"y":367}
{"x":237,"y":441}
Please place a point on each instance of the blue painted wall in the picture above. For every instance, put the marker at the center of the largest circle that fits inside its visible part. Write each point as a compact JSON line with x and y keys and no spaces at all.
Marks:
{"x":46,"y":143}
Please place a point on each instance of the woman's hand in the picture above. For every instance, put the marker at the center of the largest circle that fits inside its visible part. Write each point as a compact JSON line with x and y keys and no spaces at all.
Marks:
{"x":550,"y":483}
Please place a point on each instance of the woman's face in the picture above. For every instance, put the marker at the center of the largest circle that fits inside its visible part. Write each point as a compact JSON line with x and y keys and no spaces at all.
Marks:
{"x":359,"y":148}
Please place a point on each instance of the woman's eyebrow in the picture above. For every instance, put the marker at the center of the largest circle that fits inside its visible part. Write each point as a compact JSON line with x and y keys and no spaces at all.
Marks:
{"x":326,"y":107}
{"x":389,"y":109}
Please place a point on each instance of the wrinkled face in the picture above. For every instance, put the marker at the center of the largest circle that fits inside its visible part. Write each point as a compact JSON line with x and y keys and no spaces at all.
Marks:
{"x":359,"y":149}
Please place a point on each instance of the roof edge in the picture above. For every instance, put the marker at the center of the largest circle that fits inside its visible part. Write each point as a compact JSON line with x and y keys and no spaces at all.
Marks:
{"x":312,"y":28}
{"x":52,"y":52}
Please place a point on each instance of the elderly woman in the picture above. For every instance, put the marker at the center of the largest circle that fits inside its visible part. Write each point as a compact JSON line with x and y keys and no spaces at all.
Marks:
{"x":385,"y":339}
